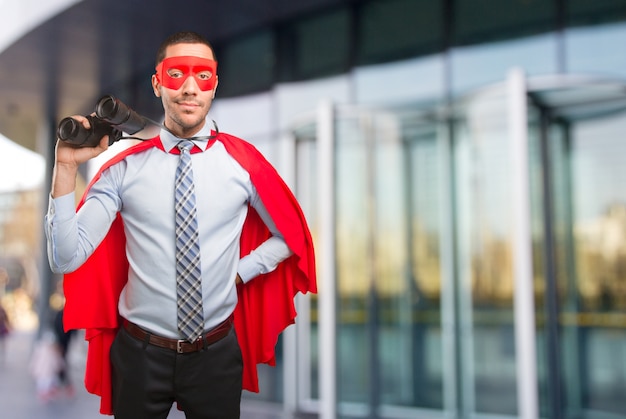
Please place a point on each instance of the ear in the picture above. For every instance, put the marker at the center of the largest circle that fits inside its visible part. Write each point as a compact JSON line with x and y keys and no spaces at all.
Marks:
{"x":217,"y":80}
{"x":156,"y":85}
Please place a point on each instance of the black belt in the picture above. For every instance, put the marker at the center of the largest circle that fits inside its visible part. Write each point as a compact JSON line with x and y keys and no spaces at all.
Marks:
{"x":181,"y":345}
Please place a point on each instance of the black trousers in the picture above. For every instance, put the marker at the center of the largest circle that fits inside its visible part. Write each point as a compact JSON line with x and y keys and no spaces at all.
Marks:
{"x":148,"y":379}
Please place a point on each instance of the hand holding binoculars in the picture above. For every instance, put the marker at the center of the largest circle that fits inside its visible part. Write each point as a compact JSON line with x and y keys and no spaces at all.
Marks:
{"x":112,"y":118}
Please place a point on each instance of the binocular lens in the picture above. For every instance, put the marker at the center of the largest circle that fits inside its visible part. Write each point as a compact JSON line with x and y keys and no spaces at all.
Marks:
{"x":73,"y":132}
{"x":107,"y":109}
{"x":68,"y":129}
{"x":117,"y":113}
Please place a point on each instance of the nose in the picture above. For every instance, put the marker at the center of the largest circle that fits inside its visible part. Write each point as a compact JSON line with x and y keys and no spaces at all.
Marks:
{"x":190,"y":87}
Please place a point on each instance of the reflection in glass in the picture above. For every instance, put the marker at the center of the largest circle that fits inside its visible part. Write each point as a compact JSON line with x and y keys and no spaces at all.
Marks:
{"x":595,"y":302}
{"x":306,"y":191}
{"x":477,"y":66}
{"x":392,"y":357}
{"x":584,"y":56}
{"x":587,"y":228}
{"x":388,"y":267}
{"x":488,"y":367}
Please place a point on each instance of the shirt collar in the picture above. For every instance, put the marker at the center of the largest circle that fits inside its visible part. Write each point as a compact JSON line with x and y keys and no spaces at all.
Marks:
{"x":170,"y":141}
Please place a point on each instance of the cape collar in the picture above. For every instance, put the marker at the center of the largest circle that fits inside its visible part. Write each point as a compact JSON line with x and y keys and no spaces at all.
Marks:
{"x":200,"y":140}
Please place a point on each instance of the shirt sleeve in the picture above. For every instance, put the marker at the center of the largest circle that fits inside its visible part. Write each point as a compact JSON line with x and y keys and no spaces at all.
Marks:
{"x":73,"y":236}
{"x":266,"y":257}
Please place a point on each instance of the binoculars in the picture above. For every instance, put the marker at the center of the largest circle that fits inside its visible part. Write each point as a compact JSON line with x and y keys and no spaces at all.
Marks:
{"x":112,"y":118}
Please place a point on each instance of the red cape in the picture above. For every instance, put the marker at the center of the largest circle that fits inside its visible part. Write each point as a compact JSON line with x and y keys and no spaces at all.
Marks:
{"x":265,"y":306}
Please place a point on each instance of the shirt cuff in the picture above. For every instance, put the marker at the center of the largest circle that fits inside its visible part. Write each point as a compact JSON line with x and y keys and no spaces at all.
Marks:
{"x":247,"y":269}
{"x":62,"y":207}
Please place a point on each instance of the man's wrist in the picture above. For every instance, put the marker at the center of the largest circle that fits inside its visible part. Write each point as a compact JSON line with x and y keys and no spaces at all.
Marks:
{"x":64,"y":179}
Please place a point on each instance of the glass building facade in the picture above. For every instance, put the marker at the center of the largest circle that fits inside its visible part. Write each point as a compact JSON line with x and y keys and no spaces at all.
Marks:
{"x":395,"y":123}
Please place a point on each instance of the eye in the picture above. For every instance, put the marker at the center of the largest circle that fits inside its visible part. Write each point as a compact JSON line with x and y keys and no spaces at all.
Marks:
{"x":204,"y":75}
{"x":175,"y":73}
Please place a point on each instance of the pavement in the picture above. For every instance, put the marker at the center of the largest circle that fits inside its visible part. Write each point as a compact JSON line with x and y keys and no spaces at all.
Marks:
{"x":19,"y":399}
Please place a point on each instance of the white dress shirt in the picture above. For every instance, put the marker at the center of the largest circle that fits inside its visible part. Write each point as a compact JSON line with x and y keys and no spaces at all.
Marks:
{"x":141,"y":188}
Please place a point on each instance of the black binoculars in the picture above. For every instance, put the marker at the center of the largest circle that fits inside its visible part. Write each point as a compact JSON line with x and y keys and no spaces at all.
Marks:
{"x":112,"y":118}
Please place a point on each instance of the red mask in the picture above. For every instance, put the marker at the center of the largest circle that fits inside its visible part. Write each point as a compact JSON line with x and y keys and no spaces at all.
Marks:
{"x":173,"y":71}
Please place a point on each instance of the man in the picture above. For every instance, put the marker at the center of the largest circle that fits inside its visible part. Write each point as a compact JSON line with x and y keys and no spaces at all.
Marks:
{"x":123,"y":249}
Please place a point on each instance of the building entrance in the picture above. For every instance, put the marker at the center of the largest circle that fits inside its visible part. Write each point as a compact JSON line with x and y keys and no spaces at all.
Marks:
{"x":441,"y":304}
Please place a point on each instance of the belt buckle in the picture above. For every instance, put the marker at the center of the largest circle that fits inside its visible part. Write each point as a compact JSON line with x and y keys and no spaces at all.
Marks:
{"x":179,"y":346}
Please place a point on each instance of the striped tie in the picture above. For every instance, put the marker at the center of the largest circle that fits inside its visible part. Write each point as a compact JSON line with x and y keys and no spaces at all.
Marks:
{"x":188,"y":281}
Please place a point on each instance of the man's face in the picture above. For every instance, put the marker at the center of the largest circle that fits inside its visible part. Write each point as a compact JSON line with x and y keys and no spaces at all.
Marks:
{"x":186,"y":82}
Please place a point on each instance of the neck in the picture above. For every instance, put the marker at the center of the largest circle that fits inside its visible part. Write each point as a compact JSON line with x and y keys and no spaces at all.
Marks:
{"x":182,"y":133}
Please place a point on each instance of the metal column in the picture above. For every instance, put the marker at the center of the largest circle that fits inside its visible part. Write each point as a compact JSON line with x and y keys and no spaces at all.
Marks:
{"x":326,"y":262}
{"x":525,"y":339}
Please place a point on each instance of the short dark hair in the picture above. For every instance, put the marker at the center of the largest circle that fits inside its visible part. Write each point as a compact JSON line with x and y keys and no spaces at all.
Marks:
{"x":184,"y":37}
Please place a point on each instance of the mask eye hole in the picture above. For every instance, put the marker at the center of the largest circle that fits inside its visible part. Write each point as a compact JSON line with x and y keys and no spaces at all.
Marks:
{"x":204,"y":75}
{"x":175,"y":73}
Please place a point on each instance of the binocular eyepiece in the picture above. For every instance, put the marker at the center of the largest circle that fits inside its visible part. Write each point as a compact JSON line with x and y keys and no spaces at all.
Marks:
{"x":112,"y":118}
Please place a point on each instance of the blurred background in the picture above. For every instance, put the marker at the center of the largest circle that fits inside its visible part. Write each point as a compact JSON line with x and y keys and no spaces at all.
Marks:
{"x":461,"y":164}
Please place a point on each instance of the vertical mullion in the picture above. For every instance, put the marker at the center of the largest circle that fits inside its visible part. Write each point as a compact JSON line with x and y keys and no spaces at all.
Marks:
{"x":525,"y":338}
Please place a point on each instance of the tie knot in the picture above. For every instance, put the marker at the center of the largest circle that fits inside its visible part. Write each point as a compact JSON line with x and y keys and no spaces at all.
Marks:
{"x":184,"y":145}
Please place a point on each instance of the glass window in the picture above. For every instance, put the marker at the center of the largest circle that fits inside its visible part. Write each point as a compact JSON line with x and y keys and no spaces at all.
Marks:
{"x":417,"y":317}
{"x":591,"y":50}
{"x":246,"y":65}
{"x":478,"y":21}
{"x":389,"y":331}
{"x":485,"y":261}
{"x":395,"y":29}
{"x":322,"y":45}
{"x":307,"y":194}
{"x":354,"y":276}
{"x":400,"y":82}
{"x":477,"y":65}
{"x":585,"y":12}
{"x":589,"y":229}
{"x":599,"y":205}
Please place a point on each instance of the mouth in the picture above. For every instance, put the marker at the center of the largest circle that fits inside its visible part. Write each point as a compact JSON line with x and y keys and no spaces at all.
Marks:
{"x":188,"y":105}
